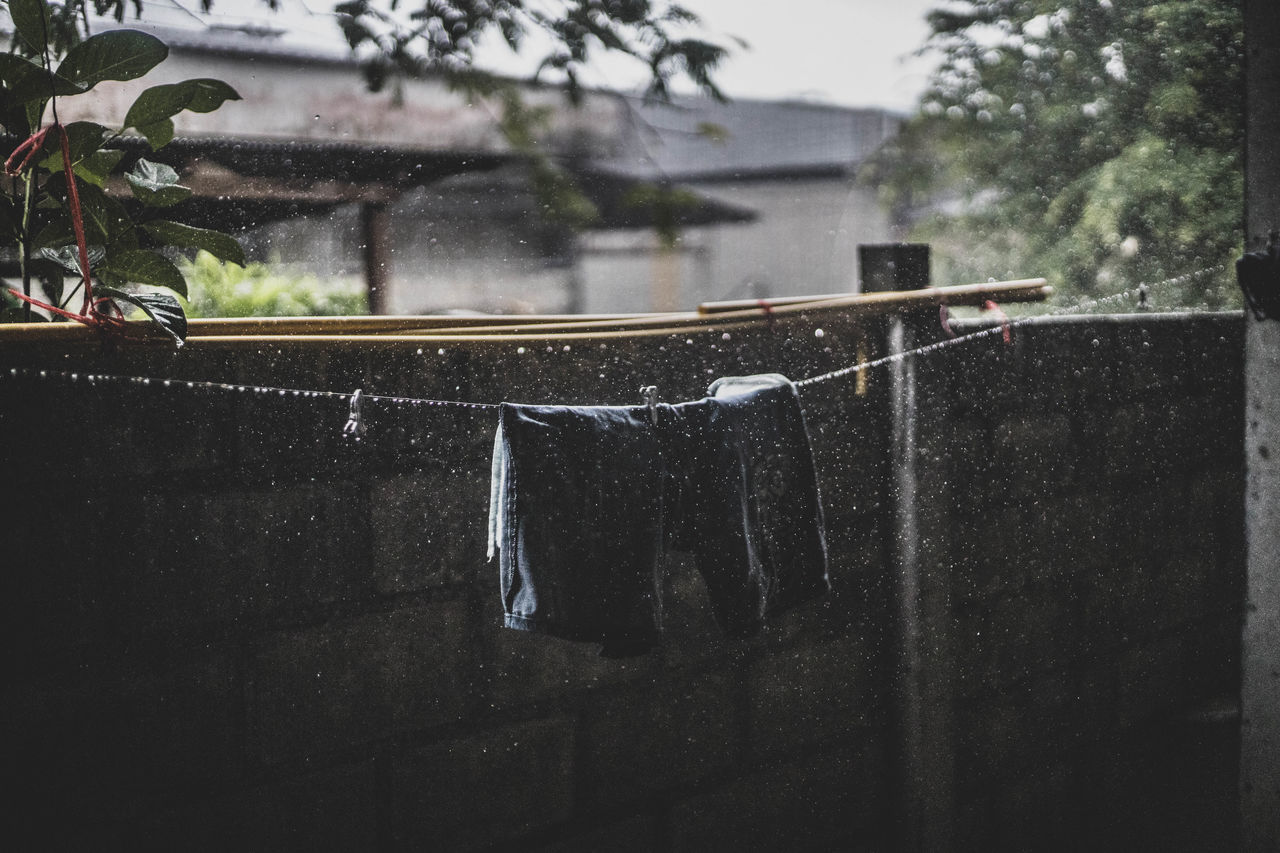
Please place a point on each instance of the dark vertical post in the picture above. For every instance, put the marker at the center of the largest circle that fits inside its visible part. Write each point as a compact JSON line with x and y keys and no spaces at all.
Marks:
{"x":375,"y":233}
{"x":570,"y":255}
{"x":925,"y":762}
{"x":894,"y":266}
{"x":1260,"y":685}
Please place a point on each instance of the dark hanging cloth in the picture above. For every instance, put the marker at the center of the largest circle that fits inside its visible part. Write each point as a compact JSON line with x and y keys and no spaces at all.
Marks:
{"x":585,"y":501}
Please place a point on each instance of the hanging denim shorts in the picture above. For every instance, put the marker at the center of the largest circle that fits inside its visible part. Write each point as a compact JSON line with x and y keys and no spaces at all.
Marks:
{"x":586,"y":500}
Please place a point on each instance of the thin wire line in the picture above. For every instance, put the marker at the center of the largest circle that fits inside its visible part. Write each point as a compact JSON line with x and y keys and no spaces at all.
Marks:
{"x":927,"y":349}
{"x":1000,"y":327}
{"x":94,"y":378}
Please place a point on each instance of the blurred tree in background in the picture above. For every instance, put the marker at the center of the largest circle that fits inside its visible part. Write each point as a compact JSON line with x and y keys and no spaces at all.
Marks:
{"x":1096,"y":142}
{"x":418,"y":37}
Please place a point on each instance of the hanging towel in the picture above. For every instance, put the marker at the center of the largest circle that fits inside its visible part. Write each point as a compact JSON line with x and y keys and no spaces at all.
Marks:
{"x":585,"y":500}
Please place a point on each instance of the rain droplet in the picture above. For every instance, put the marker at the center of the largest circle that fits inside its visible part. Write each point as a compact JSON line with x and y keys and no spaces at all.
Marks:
{"x":819,"y":333}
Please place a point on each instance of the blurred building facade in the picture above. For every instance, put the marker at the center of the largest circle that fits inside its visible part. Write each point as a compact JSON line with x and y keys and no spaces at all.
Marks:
{"x":418,"y":190}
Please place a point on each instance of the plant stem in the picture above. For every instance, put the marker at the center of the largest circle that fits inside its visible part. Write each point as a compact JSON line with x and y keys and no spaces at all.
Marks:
{"x":24,"y":253}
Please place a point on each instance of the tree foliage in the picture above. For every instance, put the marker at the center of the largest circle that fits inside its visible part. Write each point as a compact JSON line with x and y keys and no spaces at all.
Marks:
{"x":417,"y":37}
{"x":1097,"y":142}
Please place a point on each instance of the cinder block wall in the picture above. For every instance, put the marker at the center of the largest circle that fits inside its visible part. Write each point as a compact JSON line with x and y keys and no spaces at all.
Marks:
{"x":230,"y":628}
{"x":1092,"y":481}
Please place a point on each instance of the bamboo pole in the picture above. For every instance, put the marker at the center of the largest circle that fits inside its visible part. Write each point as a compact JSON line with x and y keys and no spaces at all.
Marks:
{"x":774,"y":302}
{"x":423,"y":330}
{"x":379,"y":324}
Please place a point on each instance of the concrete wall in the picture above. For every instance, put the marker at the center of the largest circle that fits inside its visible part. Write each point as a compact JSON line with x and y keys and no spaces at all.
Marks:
{"x":804,"y":241}
{"x":230,"y":628}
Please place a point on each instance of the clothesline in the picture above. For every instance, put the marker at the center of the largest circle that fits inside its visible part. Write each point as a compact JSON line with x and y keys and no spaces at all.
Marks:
{"x":927,"y":349}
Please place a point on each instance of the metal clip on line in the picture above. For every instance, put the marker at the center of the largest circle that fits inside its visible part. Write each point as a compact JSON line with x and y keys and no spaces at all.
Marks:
{"x":649,"y":393}
{"x":355,"y":424}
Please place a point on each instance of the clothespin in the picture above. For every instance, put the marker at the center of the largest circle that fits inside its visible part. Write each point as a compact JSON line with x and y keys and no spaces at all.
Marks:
{"x":649,"y":393}
{"x":355,"y":425}
{"x":1006,"y":330}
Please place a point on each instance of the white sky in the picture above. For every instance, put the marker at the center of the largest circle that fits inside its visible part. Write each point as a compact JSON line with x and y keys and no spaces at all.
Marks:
{"x":848,"y":52}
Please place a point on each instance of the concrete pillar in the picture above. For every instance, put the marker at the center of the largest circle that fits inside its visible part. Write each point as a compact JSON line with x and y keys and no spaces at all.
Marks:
{"x":925,"y":762}
{"x":1260,"y":688}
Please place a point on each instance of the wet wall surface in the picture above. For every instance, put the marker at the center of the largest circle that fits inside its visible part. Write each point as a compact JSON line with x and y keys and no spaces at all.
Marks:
{"x":231,"y":626}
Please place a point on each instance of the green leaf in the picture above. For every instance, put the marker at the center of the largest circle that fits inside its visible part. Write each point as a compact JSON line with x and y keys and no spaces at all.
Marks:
{"x":105,"y":219}
{"x":112,"y":55}
{"x":68,"y":257}
{"x":164,"y":310}
{"x":159,"y":134}
{"x":142,"y":267}
{"x":167,"y":100}
{"x":13,"y":115}
{"x":35,"y":111}
{"x":10,"y":220}
{"x":222,"y":246}
{"x":83,"y":137}
{"x":155,"y":184}
{"x":31,"y":21}
{"x":97,"y":167}
{"x":28,"y":81}
{"x":110,"y":279}
{"x":207,"y":95}
{"x":56,"y":233}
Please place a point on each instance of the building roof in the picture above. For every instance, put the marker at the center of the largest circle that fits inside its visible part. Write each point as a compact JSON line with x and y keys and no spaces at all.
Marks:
{"x":700,"y":139}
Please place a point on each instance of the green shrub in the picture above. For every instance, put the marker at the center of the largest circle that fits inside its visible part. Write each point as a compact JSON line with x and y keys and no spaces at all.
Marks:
{"x":264,"y":290}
